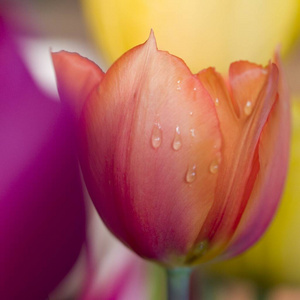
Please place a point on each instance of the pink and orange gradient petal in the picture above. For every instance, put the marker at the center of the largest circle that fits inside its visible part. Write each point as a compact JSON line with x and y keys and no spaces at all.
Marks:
{"x":155,"y":100}
{"x":240,"y":132}
{"x":273,"y":151}
{"x":76,"y":77}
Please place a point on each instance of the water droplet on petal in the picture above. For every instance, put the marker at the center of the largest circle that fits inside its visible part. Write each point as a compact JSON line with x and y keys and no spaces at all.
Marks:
{"x":214,"y":167}
{"x":195,"y":89}
{"x":201,"y":248}
{"x":178,"y":85}
{"x":217,"y":102}
{"x":197,"y":251}
{"x":248,"y":108}
{"x":191,"y":113}
{"x":191,"y":174}
{"x":177,"y":139}
{"x":156,"y":135}
{"x":192,"y":131}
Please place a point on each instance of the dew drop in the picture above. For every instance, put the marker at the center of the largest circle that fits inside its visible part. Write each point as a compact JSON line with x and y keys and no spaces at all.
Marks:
{"x":178,"y":85}
{"x":217,"y":102}
{"x":248,"y":108}
{"x":214,"y":167}
{"x":192,"y":131}
{"x":177,"y":139}
{"x":156,"y":135}
{"x":201,"y":248}
{"x":197,"y":252}
{"x":195,"y":89}
{"x":191,"y":174}
{"x":191,"y":113}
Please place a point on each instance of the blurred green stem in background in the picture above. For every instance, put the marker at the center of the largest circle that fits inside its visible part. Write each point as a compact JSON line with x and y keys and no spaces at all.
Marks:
{"x":178,"y":283}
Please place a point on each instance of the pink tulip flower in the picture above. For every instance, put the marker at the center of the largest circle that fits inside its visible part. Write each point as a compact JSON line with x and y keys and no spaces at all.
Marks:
{"x":182,"y":168}
{"x":42,"y":213}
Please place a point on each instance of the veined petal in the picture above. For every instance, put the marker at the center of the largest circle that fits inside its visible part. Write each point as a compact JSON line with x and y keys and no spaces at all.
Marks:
{"x":76,"y":78}
{"x":157,"y":193}
{"x":241,"y":129}
{"x":273,"y":160}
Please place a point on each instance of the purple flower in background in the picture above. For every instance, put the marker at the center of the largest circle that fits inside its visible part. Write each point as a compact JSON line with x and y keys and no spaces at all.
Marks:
{"x":42,"y":215}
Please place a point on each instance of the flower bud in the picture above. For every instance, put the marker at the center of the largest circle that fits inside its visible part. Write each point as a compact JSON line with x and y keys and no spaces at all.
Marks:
{"x":182,"y":168}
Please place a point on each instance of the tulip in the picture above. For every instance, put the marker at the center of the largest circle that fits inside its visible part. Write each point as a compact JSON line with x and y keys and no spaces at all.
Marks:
{"x":42,"y":216}
{"x":216,"y":32}
{"x":182,"y":168}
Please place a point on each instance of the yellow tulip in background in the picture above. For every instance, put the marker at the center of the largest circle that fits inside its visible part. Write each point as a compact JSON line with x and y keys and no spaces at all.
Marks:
{"x":203,"y":33}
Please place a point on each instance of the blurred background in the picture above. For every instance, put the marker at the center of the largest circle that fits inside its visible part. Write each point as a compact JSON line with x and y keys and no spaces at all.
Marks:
{"x":203,"y":34}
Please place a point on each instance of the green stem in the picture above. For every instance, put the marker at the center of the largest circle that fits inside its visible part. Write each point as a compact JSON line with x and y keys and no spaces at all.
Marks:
{"x":179,"y":283}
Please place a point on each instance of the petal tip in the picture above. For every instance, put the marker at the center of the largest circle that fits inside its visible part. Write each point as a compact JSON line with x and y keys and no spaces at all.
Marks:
{"x":76,"y":78}
{"x":151,"y":42}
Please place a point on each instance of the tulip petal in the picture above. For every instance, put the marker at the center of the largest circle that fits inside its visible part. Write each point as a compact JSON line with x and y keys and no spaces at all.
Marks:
{"x":273,"y":160}
{"x":76,"y":78}
{"x":241,"y":126}
{"x":153,"y":194}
